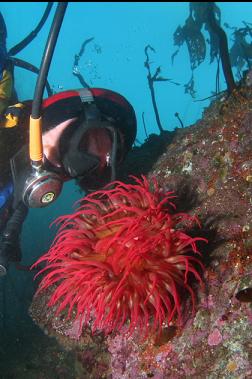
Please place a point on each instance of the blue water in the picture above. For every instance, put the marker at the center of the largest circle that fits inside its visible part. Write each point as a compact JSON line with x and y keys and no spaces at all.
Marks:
{"x":115,"y":58}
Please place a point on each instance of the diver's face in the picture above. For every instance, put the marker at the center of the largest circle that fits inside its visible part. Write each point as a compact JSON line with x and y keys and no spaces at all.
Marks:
{"x":50,"y":141}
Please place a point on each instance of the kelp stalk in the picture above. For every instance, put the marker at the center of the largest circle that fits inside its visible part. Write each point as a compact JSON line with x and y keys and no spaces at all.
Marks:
{"x":151,"y":79}
{"x":223,"y":48}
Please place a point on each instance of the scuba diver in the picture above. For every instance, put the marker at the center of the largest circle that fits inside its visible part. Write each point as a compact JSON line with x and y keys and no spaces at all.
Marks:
{"x":83,"y":134}
{"x":6,"y":71}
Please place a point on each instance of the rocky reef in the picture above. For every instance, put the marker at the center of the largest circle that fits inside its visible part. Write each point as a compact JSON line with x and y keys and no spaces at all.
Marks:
{"x":209,"y":167}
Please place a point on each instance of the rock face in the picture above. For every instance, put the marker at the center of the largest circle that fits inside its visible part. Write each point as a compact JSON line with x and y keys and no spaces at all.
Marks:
{"x":209,"y":167}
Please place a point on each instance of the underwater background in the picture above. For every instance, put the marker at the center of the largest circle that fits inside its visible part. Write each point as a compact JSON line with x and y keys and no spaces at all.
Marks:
{"x":114,"y":59}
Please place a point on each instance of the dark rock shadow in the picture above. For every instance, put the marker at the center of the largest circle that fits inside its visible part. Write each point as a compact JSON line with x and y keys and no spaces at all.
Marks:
{"x":141,"y":159}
